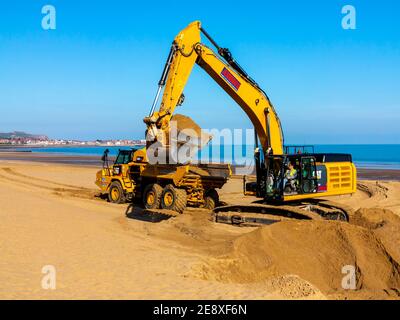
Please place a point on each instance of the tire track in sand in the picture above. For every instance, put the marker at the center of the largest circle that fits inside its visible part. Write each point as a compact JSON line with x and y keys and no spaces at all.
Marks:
{"x":63,"y":190}
{"x":15,"y":173}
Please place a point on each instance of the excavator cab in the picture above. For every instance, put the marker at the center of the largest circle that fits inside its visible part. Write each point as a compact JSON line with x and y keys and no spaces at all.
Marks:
{"x":288,"y":175}
{"x":308,"y":176}
{"x":274,"y":167}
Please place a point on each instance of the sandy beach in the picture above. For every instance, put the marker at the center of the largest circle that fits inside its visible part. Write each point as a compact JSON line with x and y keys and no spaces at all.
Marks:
{"x":51,"y":216}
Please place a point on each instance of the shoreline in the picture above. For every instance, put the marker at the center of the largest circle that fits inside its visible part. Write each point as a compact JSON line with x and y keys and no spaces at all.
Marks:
{"x":14,"y":148}
{"x":95,"y":161}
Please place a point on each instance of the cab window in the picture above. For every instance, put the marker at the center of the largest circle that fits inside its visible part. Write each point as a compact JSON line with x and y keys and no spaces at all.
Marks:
{"x":124,"y":157}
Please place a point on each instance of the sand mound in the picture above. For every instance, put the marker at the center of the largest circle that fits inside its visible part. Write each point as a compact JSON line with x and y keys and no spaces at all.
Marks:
{"x":375,"y":218}
{"x":384,"y":224}
{"x":373,"y":190}
{"x":316,"y":251}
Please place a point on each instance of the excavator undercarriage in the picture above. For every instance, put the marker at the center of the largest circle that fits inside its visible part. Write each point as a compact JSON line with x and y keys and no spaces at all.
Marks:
{"x":259,"y":214}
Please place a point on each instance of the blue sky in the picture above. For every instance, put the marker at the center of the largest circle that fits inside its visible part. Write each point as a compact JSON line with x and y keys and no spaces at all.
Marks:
{"x":95,"y":76}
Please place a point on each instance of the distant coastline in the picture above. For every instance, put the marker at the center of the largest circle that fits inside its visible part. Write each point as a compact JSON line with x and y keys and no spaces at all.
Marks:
{"x":6,"y":147}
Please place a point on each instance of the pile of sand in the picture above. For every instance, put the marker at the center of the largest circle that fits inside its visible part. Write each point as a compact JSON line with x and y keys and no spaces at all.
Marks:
{"x":316,"y":251}
{"x":384,"y":224}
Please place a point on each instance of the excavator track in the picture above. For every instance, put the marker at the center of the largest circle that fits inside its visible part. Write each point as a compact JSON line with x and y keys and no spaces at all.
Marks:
{"x":263,"y":214}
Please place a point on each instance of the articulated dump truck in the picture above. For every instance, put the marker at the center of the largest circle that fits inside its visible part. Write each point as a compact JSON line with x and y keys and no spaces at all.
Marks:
{"x":166,"y":186}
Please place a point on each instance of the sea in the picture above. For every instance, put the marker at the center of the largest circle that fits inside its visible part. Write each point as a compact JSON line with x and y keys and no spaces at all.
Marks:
{"x":371,"y":156}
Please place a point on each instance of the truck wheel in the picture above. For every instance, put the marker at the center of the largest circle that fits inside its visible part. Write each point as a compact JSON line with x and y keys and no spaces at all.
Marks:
{"x":116,"y":193}
{"x":211,"y":199}
{"x":152,"y":196}
{"x":174,"y":199}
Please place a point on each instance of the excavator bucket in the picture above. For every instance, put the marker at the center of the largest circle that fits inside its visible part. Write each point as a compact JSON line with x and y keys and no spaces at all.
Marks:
{"x":182,"y":139}
{"x":189,"y":131}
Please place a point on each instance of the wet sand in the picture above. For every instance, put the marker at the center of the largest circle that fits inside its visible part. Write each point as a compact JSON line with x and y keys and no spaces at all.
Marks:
{"x":51,"y":158}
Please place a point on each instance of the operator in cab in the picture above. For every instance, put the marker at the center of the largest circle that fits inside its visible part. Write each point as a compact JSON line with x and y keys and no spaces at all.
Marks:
{"x":290,"y":178}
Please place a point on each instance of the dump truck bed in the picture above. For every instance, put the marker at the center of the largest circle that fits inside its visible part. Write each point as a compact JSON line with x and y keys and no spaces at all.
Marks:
{"x":214,"y":173}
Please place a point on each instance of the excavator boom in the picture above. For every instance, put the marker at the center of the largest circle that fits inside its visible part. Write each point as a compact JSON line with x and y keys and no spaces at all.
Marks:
{"x":186,"y":51}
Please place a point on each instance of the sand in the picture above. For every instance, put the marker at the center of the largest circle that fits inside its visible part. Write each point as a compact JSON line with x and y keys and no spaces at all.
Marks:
{"x":51,"y":216}
{"x":314,"y":251}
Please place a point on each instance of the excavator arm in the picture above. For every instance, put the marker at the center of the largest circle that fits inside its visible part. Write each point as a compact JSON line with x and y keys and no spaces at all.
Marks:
{"x":188,"y":50}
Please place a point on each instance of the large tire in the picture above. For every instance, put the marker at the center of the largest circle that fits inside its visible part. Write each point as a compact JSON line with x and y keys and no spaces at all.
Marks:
{"x":211,"y":199}
{"x":152,"y":196}
{"x":174,"y":199}
{"x":116,"y":193}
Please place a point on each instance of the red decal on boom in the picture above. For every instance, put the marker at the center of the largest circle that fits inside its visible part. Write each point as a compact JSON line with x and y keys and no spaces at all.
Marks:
{"x":230,"y":78}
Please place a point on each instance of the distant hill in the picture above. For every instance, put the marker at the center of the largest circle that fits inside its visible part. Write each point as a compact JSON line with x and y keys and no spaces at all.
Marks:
{"x":20,"y":134}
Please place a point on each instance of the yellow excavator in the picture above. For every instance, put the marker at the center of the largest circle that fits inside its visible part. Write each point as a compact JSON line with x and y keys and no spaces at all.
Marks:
{"x":316,"y":175}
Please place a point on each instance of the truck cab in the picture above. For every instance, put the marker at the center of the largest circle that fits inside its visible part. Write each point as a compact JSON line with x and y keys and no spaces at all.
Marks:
{"x":117,"y":180}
